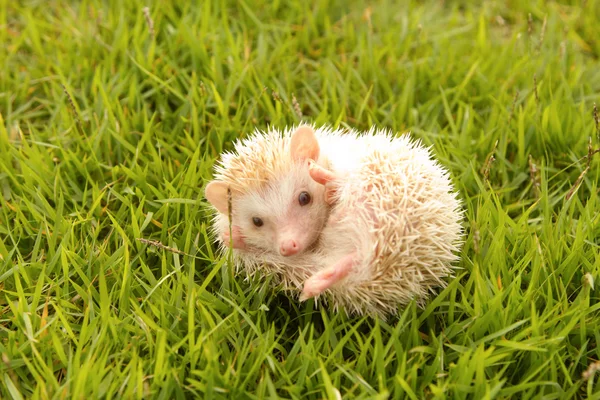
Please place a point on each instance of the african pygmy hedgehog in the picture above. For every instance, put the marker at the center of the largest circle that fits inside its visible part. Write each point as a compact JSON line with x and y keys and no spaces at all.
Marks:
{"x":365,"y":221}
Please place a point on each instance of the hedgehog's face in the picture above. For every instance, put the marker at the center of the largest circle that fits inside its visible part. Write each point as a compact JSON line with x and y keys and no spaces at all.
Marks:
{"x":285,"y":217}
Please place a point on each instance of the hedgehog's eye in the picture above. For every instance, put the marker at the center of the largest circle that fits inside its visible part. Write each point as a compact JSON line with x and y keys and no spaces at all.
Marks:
{"x":304,"y":198}
{"x":257,"y":222}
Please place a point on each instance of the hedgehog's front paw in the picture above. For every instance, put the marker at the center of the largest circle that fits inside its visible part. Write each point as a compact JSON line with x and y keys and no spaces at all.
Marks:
{"x":326,"y":278}
{"x":236,"y":238}
{"x":324,"y":177}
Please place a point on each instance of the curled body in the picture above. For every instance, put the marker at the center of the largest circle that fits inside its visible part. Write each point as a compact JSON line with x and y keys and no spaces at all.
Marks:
{"x":384,"y":227}
{"x":394,"y":225}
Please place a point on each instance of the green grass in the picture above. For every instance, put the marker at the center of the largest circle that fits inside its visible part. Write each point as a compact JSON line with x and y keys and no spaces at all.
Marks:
{"x":109,"y":133}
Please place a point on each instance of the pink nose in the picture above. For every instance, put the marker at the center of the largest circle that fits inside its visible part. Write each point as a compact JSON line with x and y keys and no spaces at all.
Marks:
{"x":288,"y":248}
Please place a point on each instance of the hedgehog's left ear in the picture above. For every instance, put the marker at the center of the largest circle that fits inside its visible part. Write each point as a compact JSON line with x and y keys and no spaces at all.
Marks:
{"x":216,"y":194}
{"x":304,"y":144}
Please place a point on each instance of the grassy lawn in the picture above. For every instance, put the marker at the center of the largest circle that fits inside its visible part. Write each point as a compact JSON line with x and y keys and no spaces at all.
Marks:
{"x":111,"y":121}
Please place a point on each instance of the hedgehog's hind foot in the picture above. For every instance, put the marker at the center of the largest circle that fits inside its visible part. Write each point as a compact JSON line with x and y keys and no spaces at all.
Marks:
{"x":328,"y":277}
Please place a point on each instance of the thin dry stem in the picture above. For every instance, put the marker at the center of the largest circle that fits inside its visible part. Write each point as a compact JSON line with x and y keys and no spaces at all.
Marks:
{"x":563,"y":48}
{"x":534,"y":176}
{"x":542,"y":33}
{"x":296,"y":106}
{"x":577,"y":184}
{"x":591,"y":371}
{"x":149,"y":21}
{"x":230,"y":218}
{"x":73,"y":109}
{"x":476,"y":238}
{"x":229,"y":207}
{"x":158,"y":244}
{"x":588,"y":280}
{"x":597,"y":122}
{"x":488,"y":163}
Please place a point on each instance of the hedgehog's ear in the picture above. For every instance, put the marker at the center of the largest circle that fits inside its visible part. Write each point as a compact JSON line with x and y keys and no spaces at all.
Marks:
{"x":216,"y":194}
{"x":304,"y":144}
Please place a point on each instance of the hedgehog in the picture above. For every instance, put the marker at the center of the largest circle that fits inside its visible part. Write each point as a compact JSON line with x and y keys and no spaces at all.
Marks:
{"x":364,"y":221}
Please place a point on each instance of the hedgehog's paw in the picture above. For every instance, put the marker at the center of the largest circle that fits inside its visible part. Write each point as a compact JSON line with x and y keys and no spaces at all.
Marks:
{"x":236,"y":238}
{"x":323,"y":280}
{"x":324,"y":177}
{"x":320,"y":174}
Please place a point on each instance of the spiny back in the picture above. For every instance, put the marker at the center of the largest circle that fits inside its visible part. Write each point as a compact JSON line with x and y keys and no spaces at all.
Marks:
{"x":255,"y":160}
{"x":261,"y":157}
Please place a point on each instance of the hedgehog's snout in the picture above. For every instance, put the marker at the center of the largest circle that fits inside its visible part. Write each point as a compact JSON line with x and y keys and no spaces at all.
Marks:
{"x":288,"y":247}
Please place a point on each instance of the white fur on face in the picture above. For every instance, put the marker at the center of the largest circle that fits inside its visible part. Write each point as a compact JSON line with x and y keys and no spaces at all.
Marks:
{"x":283,"y":217}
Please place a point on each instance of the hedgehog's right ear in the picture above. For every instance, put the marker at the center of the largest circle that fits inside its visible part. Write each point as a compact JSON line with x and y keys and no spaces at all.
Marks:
{"x":304,"y":144}
{"x":216,"y":194}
